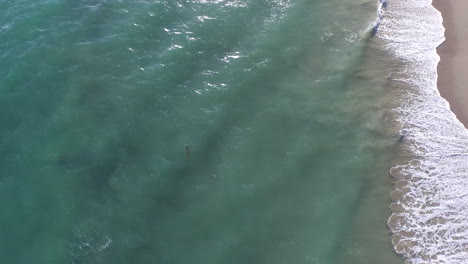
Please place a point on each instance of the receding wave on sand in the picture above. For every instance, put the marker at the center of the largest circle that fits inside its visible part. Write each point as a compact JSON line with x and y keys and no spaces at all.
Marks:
{"x":430,"y":200}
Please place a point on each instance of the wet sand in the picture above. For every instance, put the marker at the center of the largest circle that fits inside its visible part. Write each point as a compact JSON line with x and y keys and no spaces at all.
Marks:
{"x":452,"y":70}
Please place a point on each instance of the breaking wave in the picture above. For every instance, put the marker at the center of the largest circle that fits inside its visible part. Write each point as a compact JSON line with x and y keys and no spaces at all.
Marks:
{"x":430,"y":200}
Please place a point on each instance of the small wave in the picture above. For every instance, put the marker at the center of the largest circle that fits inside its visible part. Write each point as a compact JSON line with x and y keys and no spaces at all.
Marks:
{"x":380,"y":14}
{"x":430,"y":201}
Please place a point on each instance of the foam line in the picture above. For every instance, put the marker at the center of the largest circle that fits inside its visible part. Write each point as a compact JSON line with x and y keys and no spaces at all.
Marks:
{"x":430,"y":200}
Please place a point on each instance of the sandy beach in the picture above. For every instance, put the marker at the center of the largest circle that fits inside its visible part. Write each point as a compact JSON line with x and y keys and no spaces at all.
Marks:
{"x":452,"y":75}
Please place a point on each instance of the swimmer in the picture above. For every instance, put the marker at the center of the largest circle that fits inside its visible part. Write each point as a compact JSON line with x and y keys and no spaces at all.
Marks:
{"x":187,"y":152}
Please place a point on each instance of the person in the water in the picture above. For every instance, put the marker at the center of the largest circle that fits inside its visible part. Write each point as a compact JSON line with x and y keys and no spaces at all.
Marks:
{"x":187,"y":152}
{"x":403,"y":134}
{"x":375,"y":28}
{"x":384,"y":3}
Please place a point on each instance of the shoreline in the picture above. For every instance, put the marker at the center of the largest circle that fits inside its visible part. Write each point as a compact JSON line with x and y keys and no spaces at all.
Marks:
{"x":454,"y":57}
{"x":428,"y":200}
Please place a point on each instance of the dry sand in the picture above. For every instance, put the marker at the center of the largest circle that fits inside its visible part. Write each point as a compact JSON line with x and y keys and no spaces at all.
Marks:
{"x":453,"y":66}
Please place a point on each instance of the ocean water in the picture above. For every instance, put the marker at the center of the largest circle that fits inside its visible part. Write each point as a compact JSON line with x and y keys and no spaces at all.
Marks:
{"x":429,"y":203}
{"x":203,"y":131}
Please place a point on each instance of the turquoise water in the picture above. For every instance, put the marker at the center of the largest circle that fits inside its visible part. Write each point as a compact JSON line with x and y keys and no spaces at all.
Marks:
{"x":204,"y":131}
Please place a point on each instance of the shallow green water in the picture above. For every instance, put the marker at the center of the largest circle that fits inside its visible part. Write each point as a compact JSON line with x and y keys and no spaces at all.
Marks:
{"x":191,"y":132}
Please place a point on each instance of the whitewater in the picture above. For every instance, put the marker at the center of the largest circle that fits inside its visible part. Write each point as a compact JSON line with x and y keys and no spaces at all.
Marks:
{"x":430,"y":201}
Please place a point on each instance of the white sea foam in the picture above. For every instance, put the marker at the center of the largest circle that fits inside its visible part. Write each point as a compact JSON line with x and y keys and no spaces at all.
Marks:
{"x":430,"y":203}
